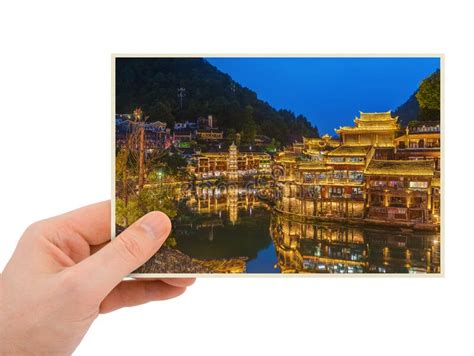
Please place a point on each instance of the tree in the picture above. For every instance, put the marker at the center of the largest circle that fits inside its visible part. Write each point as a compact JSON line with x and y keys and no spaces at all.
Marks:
{"x":161,"y":111}
{"x":174,"y":164}
{"x":151,"y":84}
{"x":249,"y":127}
{"x":428,"y":97}
{"x":231,"y":135}
{"x":273,"y":146}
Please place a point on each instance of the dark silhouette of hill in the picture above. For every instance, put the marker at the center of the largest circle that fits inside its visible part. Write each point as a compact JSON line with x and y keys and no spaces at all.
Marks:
{"x":408,"y":111}
{"x":424,"y":104}
{"x":152,"y":84}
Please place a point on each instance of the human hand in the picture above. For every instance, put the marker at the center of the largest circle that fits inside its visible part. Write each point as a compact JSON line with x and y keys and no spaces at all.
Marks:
{"x":64,"y":272}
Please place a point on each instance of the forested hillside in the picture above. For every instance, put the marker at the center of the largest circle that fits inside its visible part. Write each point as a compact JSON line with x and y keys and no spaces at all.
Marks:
{"x":153,"y":83}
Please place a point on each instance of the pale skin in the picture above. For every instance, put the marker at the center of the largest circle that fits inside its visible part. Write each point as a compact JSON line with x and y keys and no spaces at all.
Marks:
{"x":65,"y":271}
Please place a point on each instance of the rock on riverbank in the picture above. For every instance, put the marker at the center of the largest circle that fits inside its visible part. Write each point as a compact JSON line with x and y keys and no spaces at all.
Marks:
{"x":170,"y":260}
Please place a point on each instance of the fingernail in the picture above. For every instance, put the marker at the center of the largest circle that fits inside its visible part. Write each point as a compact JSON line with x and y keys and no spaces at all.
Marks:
{"x":156,"y":224}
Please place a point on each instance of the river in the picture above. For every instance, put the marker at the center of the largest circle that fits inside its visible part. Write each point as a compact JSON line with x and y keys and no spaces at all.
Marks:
{"x":217,"y":223}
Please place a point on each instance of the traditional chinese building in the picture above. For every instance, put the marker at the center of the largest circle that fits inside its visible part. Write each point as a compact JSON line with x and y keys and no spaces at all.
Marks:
{"x":190,"y":125}
{"x":331,"y":186}
{"x":156,"y":135}
{"x":182,"y":135}
{"x":208,"y":122}
{"x":209,"y":134}
{"x":232,"y":164}
{"x":360,"y":178}
{"x":372,"y":129}
{"x":346,"y":184}
{"x":400,"y":191}
{"x":316,"y":145}
{"x":422,"y":140}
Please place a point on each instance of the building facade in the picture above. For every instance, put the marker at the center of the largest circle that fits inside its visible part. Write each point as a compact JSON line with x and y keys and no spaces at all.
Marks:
{"x":209,"y":134}
{"x":421,"y":141}
{"x":364,"y":176}
{"x":331,"y":186}
{"x":371,"y":129}
{"x":156,"y":135}
{"x":182,"y":135}
{"x":400,"y":191}
{"x":231,"y":164}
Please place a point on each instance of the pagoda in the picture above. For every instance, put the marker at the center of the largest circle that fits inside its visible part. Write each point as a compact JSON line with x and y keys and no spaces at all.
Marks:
{"x":376,"y":129}
{"x":232,"y":173}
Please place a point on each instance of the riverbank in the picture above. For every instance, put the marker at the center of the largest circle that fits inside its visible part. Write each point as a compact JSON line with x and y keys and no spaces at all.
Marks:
{"x":170,"y":260}
{"x":408,"y":225}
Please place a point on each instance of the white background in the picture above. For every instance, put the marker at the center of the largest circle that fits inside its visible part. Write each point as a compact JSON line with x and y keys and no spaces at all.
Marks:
{"x":55,"y":90}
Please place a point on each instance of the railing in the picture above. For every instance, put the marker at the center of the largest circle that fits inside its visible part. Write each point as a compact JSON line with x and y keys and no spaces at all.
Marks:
{"x":384,"y":187}
{"x":330,"y":180}
{"x":310,"y":197}
{"x":431,"y":147}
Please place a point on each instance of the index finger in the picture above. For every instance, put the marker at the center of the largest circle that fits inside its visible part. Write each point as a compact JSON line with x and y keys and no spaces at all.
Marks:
{"x":92,"y":222}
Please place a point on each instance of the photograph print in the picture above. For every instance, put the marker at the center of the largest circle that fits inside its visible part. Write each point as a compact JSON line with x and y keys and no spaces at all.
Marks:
{"x":282,"y":165}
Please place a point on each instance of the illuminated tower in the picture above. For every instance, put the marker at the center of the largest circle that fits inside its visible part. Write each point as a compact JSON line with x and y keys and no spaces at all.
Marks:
{"x":232,"y":163}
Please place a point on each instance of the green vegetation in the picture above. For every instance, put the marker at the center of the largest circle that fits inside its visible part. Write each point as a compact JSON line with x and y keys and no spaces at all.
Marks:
{"x":272,"y":147}
{"x":424,"y":104}
{"x":141,"y":203}
{"x":133,"y":202}
{"x":152,"y":84}
{"x":428,"y":97}
{"x":169,"y":164}
{"x":184,"y":144}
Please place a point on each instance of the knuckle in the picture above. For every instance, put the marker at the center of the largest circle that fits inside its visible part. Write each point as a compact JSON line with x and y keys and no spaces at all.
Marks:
{"x":34,"y":231}
{"x":36,"y":228}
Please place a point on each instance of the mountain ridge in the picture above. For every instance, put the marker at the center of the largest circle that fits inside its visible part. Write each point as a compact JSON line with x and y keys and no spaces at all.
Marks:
{"x":153,"y":83}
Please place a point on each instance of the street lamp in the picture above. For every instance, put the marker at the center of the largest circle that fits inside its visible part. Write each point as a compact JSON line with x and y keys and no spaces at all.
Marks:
{"x":160,"y":176}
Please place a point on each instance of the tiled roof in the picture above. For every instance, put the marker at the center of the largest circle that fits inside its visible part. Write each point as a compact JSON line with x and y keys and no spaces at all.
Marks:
{"x":347,"y":150}
{"x":400,"y":168}
{"x":375,"y":116}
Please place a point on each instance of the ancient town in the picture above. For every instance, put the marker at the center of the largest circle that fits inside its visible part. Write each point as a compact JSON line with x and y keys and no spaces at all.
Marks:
{"x":361,"y":192}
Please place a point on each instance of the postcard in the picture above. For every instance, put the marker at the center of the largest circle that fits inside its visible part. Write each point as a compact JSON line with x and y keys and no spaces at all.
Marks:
{"x":282,"y":165}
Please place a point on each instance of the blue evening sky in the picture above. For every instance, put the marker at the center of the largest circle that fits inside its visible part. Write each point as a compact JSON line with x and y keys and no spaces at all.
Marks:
{"x":330,"y":92}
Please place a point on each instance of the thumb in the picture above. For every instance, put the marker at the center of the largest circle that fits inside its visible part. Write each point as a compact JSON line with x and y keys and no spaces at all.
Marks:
{"x":102,"y":271}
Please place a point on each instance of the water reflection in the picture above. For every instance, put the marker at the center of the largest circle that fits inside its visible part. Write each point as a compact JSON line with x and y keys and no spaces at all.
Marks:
{"x":217,"y":222}
{"x":335,"y":248}
{"x":226,"y":222}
